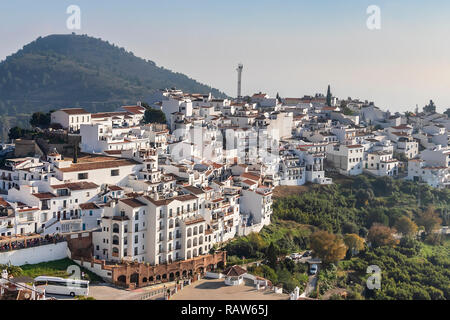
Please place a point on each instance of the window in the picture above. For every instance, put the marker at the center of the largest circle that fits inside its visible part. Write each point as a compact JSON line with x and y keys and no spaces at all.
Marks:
{"x":82,"y":176}
{"x":114,"y":173}
{"x":136,"y":239}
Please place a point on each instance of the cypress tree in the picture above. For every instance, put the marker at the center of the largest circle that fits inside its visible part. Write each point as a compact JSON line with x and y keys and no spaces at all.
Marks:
{"x":329,"y":96}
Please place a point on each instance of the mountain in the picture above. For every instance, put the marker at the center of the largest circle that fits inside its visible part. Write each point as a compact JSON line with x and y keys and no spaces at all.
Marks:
{"x":77,"y":70}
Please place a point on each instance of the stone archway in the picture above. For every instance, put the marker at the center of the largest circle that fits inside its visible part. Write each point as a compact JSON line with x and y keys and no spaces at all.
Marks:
{"x":171,"y":276}
{"x":122,"y":279}
{"x":134,"y":278}
{"x":200,"y":270}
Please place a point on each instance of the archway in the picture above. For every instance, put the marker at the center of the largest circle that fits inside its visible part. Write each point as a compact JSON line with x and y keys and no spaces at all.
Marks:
{"x":134,"y":278}
{"x":171,"y":276}
{"x":122,"y":279}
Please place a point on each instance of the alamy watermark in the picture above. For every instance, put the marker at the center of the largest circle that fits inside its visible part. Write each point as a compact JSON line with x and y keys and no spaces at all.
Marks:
{"x":374,"y":20}
{"x":374,"y":281}
{"x":73,"y":22}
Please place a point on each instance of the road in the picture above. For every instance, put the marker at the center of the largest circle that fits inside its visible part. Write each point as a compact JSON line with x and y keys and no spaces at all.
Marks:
{"x":310,"y":287}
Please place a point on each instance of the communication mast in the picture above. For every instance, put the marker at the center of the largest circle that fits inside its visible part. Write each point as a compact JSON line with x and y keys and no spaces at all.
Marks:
{"x":239,"y":71}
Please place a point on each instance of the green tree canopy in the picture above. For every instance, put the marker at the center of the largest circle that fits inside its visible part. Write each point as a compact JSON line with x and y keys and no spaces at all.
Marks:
{"x":154,"y":116}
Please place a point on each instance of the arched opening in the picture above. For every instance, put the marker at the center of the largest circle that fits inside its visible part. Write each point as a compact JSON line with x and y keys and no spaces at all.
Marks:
{"x":194,"y":253}
{"x":184,"y":273}
{"x":195,"y":242}
{"x":171,"y":276}
{"x":115,"y":240}
{"x":200,"y":250}
{"x":122,"y":279}
{"x":195,"y":231}
{"x":151,"y":279}
{"x":158,"y":277}
{"x":144,"y":280}
{"x":134,"y":278}
{"x":188,"y":254}
{"x":177,"y":274}
{"x":200,"y":230}
{"x":189,"y":243}
{"x":115,"y":228}
{"x":189,"y":232}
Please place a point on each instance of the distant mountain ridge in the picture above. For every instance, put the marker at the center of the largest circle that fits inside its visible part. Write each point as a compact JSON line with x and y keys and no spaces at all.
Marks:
{"x":81,"y":71}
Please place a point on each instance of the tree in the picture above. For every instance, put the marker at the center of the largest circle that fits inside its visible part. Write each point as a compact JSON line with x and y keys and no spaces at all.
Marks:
{"x":380,"y":235}
{"x":154,"y":116}
{"x":327,"y":246}
{"x":354,"y":242}
{"x":406,"y":226}
{"x":40,"y":119}
{"x":430,"y":108}
{"x":329,"y":96}
{"x":363,"y":197}
{"x":15,"y":133}
{"x":429,"y":219}
{"x":272,"y":255}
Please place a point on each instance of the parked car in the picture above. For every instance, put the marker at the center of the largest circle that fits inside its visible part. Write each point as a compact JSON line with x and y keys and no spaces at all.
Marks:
{"x":296,"y":256}
{"x":307,"y":254}
{"x":313,"y":269}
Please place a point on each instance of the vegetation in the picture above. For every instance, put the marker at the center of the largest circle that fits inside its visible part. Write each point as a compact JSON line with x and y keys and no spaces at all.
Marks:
{"x":154,"y":116}
{"x":328,"y":247}
{"x":40,"y":119}
{"x":380,"y":235}
{"x":430,"y":108}
{"x":15,"y":271}
{"x":336,"y":221}
{"x":80,"y":71}
{"x":57,"y":268}
{"x":412,"y":270}
{"x":329,"y":96}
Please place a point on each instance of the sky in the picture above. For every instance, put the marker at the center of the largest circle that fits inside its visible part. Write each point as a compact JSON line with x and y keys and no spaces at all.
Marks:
{"x":293,"y":47}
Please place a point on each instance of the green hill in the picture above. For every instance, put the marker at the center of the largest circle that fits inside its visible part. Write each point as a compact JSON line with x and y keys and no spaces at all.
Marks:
{"x":77,"y":70}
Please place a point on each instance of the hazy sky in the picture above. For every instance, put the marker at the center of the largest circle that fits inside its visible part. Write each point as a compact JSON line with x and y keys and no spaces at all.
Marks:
{"x":293,"y":47}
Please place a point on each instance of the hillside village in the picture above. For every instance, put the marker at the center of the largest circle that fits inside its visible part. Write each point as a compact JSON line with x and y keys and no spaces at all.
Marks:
{"x":165,"y":196}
